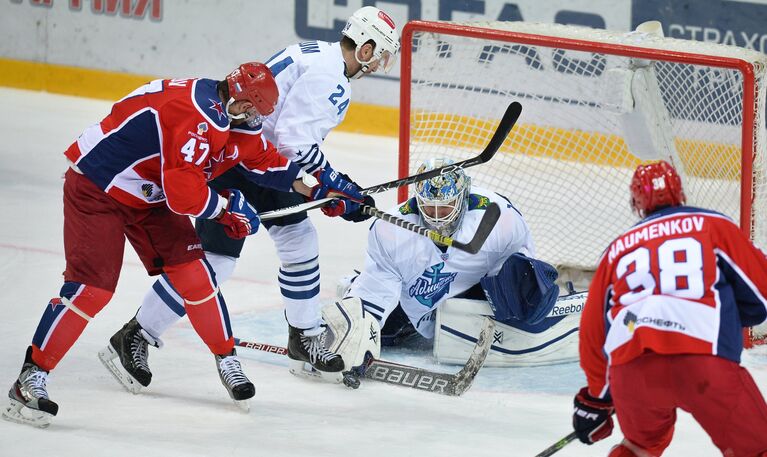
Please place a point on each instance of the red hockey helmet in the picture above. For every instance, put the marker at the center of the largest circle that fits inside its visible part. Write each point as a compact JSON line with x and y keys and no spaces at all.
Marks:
{"x":253,"y":81}
{"x":655,"y":185}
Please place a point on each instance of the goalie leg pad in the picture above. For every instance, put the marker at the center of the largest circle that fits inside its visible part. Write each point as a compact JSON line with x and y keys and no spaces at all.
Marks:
{"x":553,"y":340}
{"x":354,"y":332}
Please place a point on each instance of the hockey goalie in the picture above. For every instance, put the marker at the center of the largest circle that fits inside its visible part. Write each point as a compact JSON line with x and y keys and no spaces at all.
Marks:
{"x":412,"y":288}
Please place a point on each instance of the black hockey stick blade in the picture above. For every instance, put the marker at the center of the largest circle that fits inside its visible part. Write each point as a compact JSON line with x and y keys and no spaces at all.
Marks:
{"x":508,"y":120}
{"x":557,"y":446}
{"x":486,"y":225}
{"x":422,"y":379}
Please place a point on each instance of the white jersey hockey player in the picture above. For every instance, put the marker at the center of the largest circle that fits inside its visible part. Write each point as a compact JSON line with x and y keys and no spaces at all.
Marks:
{"x":407,"y":278}
{"x":314,"y":85}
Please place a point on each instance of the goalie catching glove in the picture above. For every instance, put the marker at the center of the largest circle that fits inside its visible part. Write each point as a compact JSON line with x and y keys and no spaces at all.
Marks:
{"x":592,"y":419}
{"x":239,"y":218}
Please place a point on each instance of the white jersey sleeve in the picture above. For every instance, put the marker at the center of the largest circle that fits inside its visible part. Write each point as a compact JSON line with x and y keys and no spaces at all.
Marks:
{"x":379,"y":285}
{"x":314,"y":96}
{"x":514,"y":236}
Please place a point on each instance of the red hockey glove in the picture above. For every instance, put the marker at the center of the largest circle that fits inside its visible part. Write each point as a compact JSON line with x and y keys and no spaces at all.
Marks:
{"x":240,"y":219}
{"x":592,"y":419}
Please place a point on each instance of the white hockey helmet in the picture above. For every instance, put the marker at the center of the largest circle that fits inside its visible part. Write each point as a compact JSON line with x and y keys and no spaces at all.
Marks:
{"x":370,"y":23}
{"x":443,"y":199}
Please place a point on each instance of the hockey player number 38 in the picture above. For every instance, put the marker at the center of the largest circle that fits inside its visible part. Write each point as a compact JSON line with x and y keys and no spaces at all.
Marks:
{"x":679,"y":267}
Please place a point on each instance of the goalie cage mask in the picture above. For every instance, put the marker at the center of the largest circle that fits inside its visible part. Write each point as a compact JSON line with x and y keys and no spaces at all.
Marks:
{"x":442,"y":200}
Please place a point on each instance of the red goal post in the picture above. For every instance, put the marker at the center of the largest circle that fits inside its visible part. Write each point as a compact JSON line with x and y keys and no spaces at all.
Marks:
{"x":595,"y":104}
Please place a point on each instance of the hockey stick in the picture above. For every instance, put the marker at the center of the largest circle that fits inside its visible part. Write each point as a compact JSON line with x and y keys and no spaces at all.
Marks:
{"x":407,"y":376}
{"x":557,"y":446}
{"x":508,"y":120}
{"x":486,"y":224}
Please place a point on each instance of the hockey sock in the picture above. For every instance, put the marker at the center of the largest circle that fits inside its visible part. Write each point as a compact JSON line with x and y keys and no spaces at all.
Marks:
{"x":63,"y":320}
{"x":163,"y":306}
{"x":196,"y":283}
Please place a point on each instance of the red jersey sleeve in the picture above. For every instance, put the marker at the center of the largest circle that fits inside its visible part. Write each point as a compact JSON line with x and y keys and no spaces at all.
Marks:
{"x":187,"y":143}
{"x":592,"y":331}
{"x":744,"y":266}
{"x":260,"y":161}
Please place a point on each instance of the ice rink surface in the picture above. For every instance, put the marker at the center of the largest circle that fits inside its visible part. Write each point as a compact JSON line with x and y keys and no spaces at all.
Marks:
{"x":186,"y":411}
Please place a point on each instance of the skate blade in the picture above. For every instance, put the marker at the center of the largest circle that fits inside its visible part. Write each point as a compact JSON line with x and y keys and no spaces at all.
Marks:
{"x":21,"y":414}
{"x":306,"y":370}
{"x":242,"y":405}
{"x":111,"y":361}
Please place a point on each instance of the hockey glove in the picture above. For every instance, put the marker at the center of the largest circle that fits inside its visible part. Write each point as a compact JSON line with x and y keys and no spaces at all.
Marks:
{"x":592,"y":419}
{"x":334,"y":184}
{"x":349,"y":210}
{"x":239,"y":219}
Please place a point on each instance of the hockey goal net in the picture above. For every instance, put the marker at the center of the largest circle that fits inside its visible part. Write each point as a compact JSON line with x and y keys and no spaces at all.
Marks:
{"x":595,"y":104}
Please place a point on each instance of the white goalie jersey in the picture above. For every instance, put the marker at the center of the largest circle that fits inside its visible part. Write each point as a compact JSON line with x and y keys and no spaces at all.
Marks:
{"x":314,"y":96}
{"x":406,"y":268}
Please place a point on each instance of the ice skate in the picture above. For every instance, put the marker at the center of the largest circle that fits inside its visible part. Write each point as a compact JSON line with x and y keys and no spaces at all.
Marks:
{"x":237,"y":384}
{"x":28,"y":397}
{"x":310,"y":355}
{"x":130,"y":346}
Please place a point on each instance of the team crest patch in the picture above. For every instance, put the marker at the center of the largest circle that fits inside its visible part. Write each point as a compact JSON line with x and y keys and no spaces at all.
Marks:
{"x":409,"y":207}
{"x":630,"y":321}
{"x":478,"y":201}
{"x":151,"y":192}
{"x":202,"y":127}
{"x":432,"y":285}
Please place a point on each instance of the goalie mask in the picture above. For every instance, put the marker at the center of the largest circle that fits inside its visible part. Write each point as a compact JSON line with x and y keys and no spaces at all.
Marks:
{"x":442,"y":200}
{"x":370,"y":23}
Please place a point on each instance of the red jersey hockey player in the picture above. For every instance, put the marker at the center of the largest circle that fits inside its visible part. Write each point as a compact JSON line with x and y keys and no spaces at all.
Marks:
{"x":663,"y":327}
{"x":139,"y":174}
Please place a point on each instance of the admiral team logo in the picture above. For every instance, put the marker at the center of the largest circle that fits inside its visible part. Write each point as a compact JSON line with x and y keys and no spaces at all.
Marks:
{"x":432,"y":285}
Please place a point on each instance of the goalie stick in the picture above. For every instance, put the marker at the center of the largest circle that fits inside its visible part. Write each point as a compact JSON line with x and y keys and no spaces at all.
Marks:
{"x":486,"y":224}
{"x":407,"y":376}
{"x":508,"y":120}
{"x":557,"y":446}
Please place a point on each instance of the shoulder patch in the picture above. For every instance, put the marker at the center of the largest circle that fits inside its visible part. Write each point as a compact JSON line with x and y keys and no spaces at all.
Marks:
{"x":409,"y":207}
{"x":206,"y":100}
{"x":477,"y":201}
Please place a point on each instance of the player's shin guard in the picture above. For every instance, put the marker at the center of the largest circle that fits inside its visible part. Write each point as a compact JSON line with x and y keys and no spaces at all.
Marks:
{"x":196,"y":283}
{"x":63,"y":320}
{"x":163,"y":306}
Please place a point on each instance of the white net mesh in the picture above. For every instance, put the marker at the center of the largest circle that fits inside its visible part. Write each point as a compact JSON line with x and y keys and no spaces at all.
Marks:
{"x":566,"y":165}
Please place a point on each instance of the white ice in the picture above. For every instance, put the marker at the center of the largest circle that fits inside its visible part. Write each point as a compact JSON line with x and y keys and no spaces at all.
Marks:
{"x":185,"y":411}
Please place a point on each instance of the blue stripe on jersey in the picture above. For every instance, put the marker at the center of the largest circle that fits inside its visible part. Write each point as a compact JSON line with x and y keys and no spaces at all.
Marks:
{"x":136,"y":140}
{"x":300,"y":295}
{"x":309,"y":47}
{"x":269,"y":60}
{"x":679,"y":209}
{"x":206,"y":97}
{"x":277,"y":68}
{"x":276,"y":179}
{"x":210,"y":209}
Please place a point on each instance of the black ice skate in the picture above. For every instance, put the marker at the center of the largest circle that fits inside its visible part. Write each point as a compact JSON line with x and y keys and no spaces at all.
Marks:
{"x":131,"y":346}
{"x":29,"y":402}
{"x":237,"y":384}
{"x":309,"y":347}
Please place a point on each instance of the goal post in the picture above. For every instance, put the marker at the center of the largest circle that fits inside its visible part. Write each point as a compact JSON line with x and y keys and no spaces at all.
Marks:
{"x":596,"y":104}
